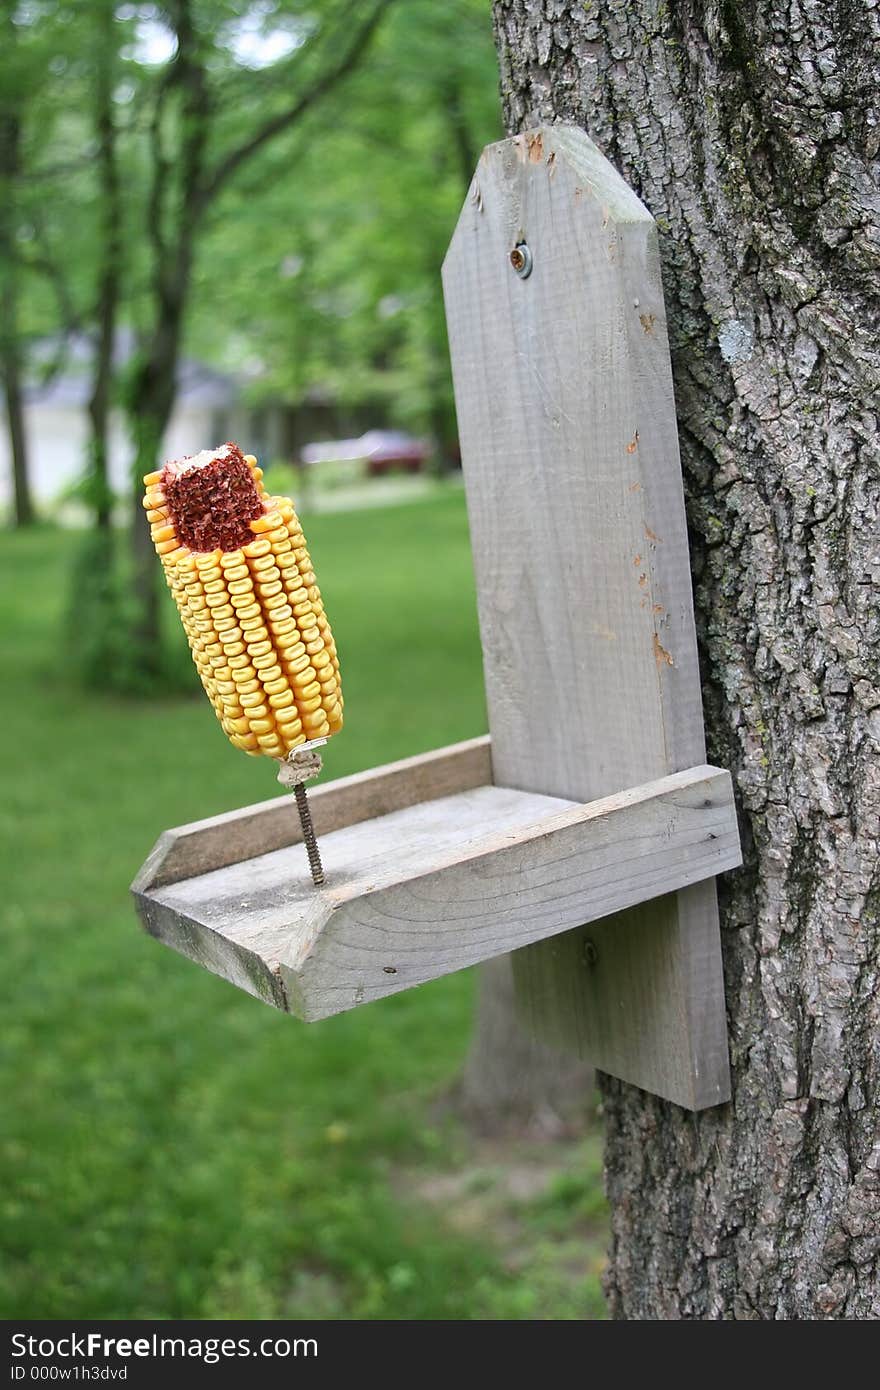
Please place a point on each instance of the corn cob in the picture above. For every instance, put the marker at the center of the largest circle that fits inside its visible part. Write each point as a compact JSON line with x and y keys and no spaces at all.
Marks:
{"x":236,"y":563}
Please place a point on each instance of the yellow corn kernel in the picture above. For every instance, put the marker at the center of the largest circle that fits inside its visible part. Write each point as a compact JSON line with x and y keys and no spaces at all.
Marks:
{"x":254,"y":549}
{"x":263,"y":660}
{"x":248,"y":611}
{"x":316,"y":725}
{"x":248,"y":742}
{"x":271,"y":743}
{"x":267,"y":522}
{"x":262,"y":726}
{"x":300,"y":664}
{"x":291,"y":647}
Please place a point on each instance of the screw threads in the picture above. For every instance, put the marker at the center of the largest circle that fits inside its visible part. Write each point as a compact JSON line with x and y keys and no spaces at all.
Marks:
{"x":308,"y":830}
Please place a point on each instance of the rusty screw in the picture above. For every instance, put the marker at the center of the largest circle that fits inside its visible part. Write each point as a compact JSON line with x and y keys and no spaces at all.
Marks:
{"x":310,"y":839}
{"x":301,"y":764}
{"x":521,"y":260}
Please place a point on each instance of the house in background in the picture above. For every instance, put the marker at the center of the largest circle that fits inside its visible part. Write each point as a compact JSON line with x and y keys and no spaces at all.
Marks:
{"x":208,"y":410}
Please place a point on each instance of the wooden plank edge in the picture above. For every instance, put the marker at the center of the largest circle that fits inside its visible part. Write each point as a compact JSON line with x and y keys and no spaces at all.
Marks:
{"x":230,"y":838}
{"x":699,"y":928}
{"x":519,"y":856}
{"x":453,"y":940}
{"x":204,"y":946}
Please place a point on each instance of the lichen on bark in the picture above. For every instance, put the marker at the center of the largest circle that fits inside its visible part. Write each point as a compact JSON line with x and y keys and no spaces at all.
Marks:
{"x":752,"y":134}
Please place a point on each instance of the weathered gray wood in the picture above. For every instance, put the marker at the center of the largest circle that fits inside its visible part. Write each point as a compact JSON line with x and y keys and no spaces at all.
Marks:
{"x":581,"y":971}
{"x":567,"y":424}
{"x":243,"y":834}
{"x":435,"y":887}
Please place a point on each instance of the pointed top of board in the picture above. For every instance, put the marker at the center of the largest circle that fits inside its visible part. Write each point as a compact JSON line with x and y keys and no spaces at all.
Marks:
{"x":508,"y":171}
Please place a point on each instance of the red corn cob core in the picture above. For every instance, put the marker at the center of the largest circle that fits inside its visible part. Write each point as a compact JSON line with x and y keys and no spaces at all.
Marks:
{"x":211,"y":502}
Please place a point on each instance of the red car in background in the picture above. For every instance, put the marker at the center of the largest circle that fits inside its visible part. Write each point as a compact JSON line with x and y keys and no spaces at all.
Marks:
{"x":381,"y":450}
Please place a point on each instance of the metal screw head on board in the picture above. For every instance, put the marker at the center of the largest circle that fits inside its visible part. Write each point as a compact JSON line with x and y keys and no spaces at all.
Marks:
{"x":591,"y":953}
{"x":521,"y":260}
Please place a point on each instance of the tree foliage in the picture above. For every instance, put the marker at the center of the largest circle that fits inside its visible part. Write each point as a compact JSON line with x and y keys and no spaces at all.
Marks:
{"x":269,"y":186}
{"x":319,"y":252}
{"x":346,"y":225}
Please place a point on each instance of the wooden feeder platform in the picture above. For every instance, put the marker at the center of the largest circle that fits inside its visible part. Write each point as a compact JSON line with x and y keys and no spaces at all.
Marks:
{"x":418,"y":888}
{"x":585,"y":837}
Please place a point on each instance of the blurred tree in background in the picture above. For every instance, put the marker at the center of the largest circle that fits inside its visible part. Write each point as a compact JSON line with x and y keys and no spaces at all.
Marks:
{"x":268,"y":185}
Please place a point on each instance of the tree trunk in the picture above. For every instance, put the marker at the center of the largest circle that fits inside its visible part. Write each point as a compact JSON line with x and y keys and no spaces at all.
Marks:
{"x":10,"y":350}
{"x":176,"y":182}
{"x":183,"y":188}
{"x":512,"y":1084}
{"x":10,"y":365}
{"x":747,"y":132}
{"x":150,"y":406}
{"x":110,"y":276}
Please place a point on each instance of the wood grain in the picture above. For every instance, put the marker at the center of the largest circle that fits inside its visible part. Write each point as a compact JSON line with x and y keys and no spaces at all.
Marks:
{"x":253,"y":830}
{"x":437,"y":886}
{"x":567,"y":424}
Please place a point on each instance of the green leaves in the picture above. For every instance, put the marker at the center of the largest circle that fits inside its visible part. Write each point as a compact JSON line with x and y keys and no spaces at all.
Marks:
{"x":318,"y":264}
{"x":323,"y":257}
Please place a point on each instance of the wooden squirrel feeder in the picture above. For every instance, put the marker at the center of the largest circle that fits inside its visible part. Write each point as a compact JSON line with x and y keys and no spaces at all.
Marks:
{"x":587,"y":828}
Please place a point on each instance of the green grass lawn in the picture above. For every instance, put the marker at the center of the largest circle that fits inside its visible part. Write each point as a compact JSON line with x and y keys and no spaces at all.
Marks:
{"x":169,"y":1147}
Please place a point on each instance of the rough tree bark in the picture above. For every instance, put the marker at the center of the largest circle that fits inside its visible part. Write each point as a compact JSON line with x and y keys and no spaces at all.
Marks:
{"x":748,"y":131}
